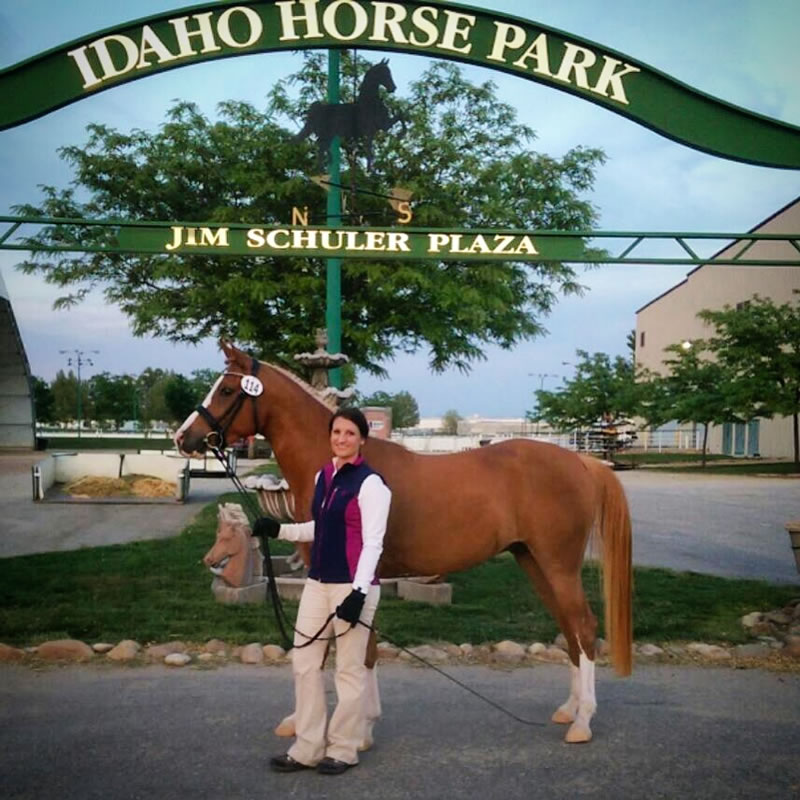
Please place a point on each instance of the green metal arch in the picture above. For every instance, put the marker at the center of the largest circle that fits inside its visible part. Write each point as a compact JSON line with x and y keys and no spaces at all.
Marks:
{"x":520,"y":47}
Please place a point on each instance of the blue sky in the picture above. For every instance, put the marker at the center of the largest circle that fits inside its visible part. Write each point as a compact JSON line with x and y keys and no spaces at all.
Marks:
{"x":740,"y":51}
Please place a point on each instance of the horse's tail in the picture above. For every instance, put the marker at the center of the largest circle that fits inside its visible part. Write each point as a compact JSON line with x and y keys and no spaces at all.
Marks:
{"x":614,"y":527}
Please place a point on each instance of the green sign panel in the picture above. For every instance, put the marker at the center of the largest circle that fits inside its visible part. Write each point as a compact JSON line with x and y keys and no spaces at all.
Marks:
{"x":326,"y":242}
{"x":521,"y":47}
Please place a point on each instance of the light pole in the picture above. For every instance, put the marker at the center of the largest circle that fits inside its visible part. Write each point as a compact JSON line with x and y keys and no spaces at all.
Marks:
{"x":541,"y":376}
{"x":78,"y":360}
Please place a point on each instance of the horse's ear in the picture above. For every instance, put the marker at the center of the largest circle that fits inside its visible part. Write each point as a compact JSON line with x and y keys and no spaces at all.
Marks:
{"x":232,"y":354}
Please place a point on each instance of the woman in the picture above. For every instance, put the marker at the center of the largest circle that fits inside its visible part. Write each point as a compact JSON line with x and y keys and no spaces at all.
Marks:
{"x":349,"y":509}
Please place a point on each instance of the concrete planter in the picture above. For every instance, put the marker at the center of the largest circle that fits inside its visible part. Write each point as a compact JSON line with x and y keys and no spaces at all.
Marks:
{"x":793,"y":529}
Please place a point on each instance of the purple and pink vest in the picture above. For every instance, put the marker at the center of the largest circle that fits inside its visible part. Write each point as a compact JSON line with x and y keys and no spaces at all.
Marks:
{"x":337,"y":522}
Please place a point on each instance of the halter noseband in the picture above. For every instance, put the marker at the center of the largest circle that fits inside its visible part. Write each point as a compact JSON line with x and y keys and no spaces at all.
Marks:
{"x":219,"y":425}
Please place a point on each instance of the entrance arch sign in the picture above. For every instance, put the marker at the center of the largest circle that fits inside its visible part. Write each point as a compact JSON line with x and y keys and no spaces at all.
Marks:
{"x":517,"y":46}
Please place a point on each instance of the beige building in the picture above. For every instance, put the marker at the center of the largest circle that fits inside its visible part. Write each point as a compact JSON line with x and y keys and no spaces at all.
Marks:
{"x":672,"y":318}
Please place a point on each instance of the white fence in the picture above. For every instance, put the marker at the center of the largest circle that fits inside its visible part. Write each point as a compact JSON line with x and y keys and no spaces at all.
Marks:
{"x":672,"y":439}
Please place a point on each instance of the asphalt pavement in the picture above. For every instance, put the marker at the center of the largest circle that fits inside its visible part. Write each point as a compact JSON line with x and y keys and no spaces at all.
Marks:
{"x":80,"y":733}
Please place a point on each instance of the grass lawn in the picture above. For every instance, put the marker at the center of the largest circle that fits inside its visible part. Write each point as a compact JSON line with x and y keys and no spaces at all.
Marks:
{"x":691,"y":461}
{"x":160,"y":590}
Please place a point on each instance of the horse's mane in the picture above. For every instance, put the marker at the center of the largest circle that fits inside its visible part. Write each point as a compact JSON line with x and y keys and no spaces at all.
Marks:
{"x":328,"y":401}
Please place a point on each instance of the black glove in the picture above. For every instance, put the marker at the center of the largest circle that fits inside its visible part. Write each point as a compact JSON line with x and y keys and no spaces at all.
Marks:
{"x":266,"y":526}
{"x":350,"y":609}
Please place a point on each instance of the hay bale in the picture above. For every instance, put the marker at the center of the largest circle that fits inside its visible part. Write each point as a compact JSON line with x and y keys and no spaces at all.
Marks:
{"x":146,"y":486}
{"x":89,"y":486}
{"x":130,"y":485}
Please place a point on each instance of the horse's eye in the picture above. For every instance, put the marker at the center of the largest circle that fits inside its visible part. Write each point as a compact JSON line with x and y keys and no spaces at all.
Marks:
{"x":226,"y":391}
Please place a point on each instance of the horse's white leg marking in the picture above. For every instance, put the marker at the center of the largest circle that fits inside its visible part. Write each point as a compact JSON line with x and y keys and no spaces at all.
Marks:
{"x":580,"y":730}
{"x":286,"y":726}
{"x":566,"y":712}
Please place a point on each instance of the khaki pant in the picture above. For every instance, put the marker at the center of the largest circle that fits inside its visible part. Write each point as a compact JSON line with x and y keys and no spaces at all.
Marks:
{"x":348,"y":724}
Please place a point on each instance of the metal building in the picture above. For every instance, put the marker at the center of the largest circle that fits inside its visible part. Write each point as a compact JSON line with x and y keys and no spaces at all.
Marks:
{"x":17,"y":429}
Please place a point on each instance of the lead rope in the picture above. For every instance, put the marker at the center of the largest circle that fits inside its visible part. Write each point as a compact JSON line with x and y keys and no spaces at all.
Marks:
{"x":283,"y":620}
{"x":281,"y":617}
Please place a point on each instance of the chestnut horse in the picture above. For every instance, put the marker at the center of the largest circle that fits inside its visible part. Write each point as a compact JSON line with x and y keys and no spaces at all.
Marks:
{"x":450,"y":512}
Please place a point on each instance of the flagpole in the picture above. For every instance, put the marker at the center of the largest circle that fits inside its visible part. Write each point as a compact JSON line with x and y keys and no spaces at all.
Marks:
{"x":333,"y":307}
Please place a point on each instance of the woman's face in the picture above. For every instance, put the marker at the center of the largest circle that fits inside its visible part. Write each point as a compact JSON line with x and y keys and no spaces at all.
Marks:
{"x":346,"y":439}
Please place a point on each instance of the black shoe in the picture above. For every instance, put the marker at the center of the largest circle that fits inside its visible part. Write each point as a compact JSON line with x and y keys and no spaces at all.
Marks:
{"x":332,"y":766}
{"x":286,"y":763}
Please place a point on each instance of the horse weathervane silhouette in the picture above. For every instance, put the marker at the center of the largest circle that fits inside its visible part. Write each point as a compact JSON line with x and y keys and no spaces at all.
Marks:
{"x":359,"y":120}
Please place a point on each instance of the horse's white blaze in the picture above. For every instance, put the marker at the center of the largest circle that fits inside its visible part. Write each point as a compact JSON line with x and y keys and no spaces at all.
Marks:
{"x":189,"y":421}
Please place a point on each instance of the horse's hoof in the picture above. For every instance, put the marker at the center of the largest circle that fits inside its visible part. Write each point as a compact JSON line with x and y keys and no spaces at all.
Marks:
{"x":285,"y":727}
{"x":562,"y":717}
{"x":578,"y":734}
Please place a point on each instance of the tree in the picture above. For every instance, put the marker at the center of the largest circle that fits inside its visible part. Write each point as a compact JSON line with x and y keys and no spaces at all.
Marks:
{"x":602,"y":389}
{"x":65,"y":397}
{"x":697,"y":389}
{"x":450,"y":420}
{"x":43,"y":400}
{"x":759,"y":343}
{"x":405,"y":411}
{"x":150,"y":403}
{"x":462,"y":153}
{"x":113,"y":397}
{"x":180,"y":397}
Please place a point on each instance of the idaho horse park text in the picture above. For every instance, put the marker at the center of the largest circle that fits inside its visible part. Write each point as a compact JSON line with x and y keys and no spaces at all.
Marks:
{"x":301,"y":22}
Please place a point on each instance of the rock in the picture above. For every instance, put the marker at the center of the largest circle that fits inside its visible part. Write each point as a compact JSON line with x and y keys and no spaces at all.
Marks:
{"x":602,"y":647}
{"x":552,"y":655}
{"x":65,"y":650}
{"x":536,"y":648}
{"x":763,"y":628}
{"x":710,"y":651}
{"x":452,"y":650}
{"x":792,"y":646}
{"x":509,"y":651}
{"x":252,"y":654}
{"x":752,"y":650}
{"x":273,"y":652}
{"x":777,"y":618}
{"x":748,"y":620}
{"x":650,"y":650}
{"x":466,"y":649}
{"x":102,"y":647}
{"x":215,"y":647}
{"x":561,"y":641}
{"x":177,"y":659}
{"x":158,"y":652}
{"x":8,"y":653}
{"x":387,"y":652}
{"x":429,"y":653}
{"x":206,"y":657}
{"x":126,"y":650}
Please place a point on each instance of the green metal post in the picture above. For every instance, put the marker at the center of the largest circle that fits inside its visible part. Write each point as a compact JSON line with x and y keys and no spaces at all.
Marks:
{"x":333,"y":309}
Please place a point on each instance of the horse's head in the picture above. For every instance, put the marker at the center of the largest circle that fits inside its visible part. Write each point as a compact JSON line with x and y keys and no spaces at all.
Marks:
{"x":229,"y":411}
{"x":232,"y":557}
{"x":380,"y":75}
